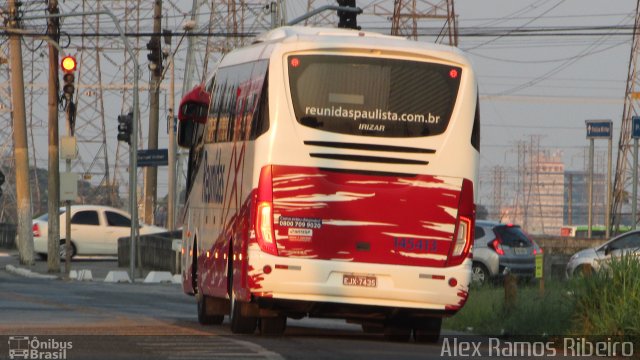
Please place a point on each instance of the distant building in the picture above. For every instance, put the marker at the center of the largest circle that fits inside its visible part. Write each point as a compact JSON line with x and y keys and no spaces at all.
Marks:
{"x":539,"y":201}
{"x":576,"y":198}
{"x":544,"y":197}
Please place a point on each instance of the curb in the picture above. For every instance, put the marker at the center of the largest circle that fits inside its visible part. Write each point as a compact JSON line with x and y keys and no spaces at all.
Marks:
{"x":28,"y":273}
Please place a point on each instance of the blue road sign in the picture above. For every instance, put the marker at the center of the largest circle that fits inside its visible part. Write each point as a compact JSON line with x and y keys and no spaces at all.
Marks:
{"x":599,"y":129}
{"x":157,"y":157}
{"x":635,"y":123}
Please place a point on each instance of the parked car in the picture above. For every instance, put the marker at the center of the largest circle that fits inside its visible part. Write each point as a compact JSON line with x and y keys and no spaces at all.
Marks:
{"x":500,"y":249}
{"x":94,"y":230}
{"x":592,"y":259}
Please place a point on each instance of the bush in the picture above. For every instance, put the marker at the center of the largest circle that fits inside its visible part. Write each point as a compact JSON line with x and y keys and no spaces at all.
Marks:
{"x":533,"y":313}
{"x":607,"y":301}
{"x":604,"y":303}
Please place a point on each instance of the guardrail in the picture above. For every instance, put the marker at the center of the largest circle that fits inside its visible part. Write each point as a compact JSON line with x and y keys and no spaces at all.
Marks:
{"x":558,"y":250}
{"x":156,"y":251}
{"x":7,"y":236}
{"x":565,"y":245}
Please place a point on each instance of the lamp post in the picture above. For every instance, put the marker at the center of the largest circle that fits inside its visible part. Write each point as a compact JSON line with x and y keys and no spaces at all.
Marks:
{"x":172,"y":193}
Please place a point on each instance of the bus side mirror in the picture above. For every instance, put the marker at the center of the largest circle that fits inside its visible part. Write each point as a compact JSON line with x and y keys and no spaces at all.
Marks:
{"x":192,"y":117}
{"x":188,"y":133}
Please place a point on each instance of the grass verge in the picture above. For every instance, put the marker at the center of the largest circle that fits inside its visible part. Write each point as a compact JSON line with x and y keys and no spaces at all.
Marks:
{"x":604,"y":303}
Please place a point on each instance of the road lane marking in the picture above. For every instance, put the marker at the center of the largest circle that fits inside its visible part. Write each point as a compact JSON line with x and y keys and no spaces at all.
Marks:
{"x":207,"y":347}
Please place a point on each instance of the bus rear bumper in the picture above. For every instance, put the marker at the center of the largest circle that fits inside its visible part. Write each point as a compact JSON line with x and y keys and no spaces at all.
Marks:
{"x":435,"y":290}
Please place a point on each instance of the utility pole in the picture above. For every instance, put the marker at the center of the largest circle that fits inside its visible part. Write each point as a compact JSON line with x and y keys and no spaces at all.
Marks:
{"x":171,"y":200}
{"x":53,"y":246}
{"x":155,"y":65}
{"x":20,"y":150}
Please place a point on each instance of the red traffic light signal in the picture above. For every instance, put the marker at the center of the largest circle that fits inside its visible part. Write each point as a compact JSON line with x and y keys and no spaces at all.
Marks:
{"x":68,"y":64}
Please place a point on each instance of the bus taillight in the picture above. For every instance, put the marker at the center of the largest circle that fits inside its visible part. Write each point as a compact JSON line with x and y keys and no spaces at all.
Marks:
{"x":264,"y":227}
{"x":462,"y":237}
{"x":264,"y":213}
{"x":464,"y":226}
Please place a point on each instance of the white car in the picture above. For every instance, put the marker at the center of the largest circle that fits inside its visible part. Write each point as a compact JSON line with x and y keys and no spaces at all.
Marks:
{"x":592,"y":259}
{"x":94,"y":230}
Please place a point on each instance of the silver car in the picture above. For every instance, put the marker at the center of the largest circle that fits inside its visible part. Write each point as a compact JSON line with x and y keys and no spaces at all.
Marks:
{"x":500,"y":249}
{"x":592,"y":259}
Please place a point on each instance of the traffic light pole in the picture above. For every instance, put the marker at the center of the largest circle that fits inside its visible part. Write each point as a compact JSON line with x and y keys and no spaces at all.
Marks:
{"x":53,"y":206}
{"x":133,"y":159}
{"x":151,"y":172}
{"x":67,"y":223}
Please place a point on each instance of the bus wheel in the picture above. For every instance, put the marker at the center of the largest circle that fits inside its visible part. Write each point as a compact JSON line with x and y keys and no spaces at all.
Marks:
{"x":273,"y":326}
{"x":194,"y":267}
{"x":428,"y":331}
{"x":372,"y":328}
{"x":204,"y":316}
{"x":397,"y":333}
{"x":240,"y":324}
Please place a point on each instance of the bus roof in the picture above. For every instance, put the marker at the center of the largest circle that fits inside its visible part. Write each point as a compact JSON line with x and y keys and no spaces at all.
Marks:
{"x":343,"y":36}
{"x":304,"y":38}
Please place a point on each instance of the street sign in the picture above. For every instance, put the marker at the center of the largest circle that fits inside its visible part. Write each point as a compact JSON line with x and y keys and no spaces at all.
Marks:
{"x":156,"y":157}
{"x":68,"y":186}
{"x":599,"y":129}
{"x":539,"y":265}
{"x":635,"y":121}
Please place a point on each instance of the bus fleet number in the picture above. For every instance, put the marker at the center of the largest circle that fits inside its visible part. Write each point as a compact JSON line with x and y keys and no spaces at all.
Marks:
{"x":415,"y":245}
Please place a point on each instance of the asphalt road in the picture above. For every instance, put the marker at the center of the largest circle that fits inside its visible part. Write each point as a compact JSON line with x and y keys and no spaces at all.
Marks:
{"x":157,"y":321}
{"x":70,"y":319}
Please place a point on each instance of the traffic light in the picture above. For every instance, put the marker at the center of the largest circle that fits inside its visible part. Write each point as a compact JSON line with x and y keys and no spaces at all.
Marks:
{"x":155,"y":55}
{"x":1,"y":181}
{"x":348,"y":19}
{"x":68,"y":65}
{"x":125,"y":126}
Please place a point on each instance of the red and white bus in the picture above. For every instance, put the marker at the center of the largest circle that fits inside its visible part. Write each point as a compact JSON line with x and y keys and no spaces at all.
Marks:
{"x":332,"y":176}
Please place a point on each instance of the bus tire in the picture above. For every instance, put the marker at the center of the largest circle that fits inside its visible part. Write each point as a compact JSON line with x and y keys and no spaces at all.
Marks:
{"x":194,"y":266}
{"x":397,"y":333}
{"x":204,"y":317}
{"x":428,"y":331}
{"x":273,"y":326}
{"x":240,"y":324}
{"x":370,"y":328}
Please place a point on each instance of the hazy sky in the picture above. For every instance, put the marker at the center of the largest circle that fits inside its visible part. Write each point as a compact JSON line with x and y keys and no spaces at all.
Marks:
{"x":546,"y":85}
{"x":530,"y":85}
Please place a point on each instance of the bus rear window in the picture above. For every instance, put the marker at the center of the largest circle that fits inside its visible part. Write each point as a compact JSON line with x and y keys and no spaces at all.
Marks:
{"x":372,"y":96}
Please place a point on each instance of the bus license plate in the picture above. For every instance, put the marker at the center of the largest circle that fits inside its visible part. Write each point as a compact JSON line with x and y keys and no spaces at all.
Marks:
{"x":359,"y":280}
